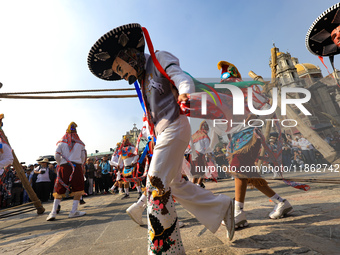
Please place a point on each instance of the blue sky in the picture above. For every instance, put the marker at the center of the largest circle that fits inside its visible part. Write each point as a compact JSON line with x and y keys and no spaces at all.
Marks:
{"x":44,"y":46}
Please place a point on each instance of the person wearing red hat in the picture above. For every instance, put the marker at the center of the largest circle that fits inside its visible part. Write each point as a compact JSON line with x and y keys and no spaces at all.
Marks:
{"x":70,"y":156}
{"x":119,"y":54}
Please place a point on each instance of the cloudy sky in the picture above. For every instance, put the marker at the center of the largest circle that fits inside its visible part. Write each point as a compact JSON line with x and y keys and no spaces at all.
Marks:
{"x":44,"y":47}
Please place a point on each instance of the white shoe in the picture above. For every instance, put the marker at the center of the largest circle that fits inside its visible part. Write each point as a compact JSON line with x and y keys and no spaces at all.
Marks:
{"x":51,"y":216}
{"x":229,"y":220}
{"x":76,"y":214}
{"x":135,"y":212}
{"x":240,"y":218}
{"x":281,"y":209}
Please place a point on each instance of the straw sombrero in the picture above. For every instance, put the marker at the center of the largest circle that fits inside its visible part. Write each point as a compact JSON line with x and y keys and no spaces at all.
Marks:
{"x":45,"y":160}
{"x":318,"y":38}
{"x":105,"y":50}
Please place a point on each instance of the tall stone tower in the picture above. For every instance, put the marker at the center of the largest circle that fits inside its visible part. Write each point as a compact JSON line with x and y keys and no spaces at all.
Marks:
{"x":286,"y":72}
{"x":290,"y":73}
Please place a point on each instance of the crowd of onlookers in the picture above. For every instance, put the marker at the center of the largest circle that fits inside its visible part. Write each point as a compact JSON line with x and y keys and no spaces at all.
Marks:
{"x":298,"y":151}
{"x":40,"y":176}
{"x":99,"y":175}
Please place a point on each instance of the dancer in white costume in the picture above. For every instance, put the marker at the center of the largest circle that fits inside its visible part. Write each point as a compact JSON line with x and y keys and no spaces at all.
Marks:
{"x":119,"y":54}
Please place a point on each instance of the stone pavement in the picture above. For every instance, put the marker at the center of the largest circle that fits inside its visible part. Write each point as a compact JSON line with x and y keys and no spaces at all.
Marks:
{"x":313,"y":228}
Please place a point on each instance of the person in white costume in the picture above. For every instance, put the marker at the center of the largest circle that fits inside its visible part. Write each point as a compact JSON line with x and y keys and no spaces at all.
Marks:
{"x":119,"y":54}
{"x":70,"y":156}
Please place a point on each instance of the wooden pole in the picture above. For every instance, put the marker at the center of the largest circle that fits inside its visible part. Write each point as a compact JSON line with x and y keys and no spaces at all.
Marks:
{"x":25,"y":183}
{"x":259,"y":78}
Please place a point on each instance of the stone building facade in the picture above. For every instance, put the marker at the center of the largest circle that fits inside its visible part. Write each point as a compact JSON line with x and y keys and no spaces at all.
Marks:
{"x":325,"y":96}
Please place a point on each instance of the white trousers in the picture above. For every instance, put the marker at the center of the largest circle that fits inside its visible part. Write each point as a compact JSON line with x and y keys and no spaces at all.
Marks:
{"x":164,"y":180}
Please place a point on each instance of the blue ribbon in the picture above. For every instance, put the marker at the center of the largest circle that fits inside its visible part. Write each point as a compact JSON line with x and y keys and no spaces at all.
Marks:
{"x":139,"y":95}
{"x":145,"y":151}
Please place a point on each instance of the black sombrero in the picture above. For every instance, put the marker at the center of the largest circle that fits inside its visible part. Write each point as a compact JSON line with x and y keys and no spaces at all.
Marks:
{"x":105,"y":50}
{"x":318,"y":38}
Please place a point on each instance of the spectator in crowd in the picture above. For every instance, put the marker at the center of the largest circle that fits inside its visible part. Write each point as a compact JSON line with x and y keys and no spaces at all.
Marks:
{"x":6,"y":159}
{"x":106,"y":176}
{"x":90,"y":171}
{"x":42,"y":180}
{"x":272,"y":144}
{"x":98,"y":182}
{"x":286,"y":152}
{"x":17,"y":190}
{"x":7,"y":178}
{"x":307,"y":150}
{"x":220,"y":156}
{"x":273,"y":147}
{"x":297,"y":159}
{"x":28,"y":172}
{"x":295,"y":143}
{"x":221,"y":159}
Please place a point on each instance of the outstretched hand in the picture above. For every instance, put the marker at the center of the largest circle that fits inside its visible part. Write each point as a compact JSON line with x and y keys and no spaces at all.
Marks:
{"x":183,"y":97}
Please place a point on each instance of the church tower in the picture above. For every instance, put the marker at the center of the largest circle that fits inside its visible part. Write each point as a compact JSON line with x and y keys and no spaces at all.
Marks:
{"x":286,"y":72}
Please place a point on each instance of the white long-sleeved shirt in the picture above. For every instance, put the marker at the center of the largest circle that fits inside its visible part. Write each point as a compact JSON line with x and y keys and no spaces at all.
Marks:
{"x":76,"y":155}
{"x":6,"y":158}
{"x":115,"y":161}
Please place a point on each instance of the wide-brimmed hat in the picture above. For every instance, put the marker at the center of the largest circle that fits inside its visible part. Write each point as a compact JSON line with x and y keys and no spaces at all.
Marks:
{"x":45,"y":160}
{"x":318,"y":38}
{"x":105,"y":50}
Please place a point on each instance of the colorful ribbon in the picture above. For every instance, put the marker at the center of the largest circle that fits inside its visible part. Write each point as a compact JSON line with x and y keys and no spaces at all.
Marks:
{"x":145,"y":151}
{"x":140,"y":97}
